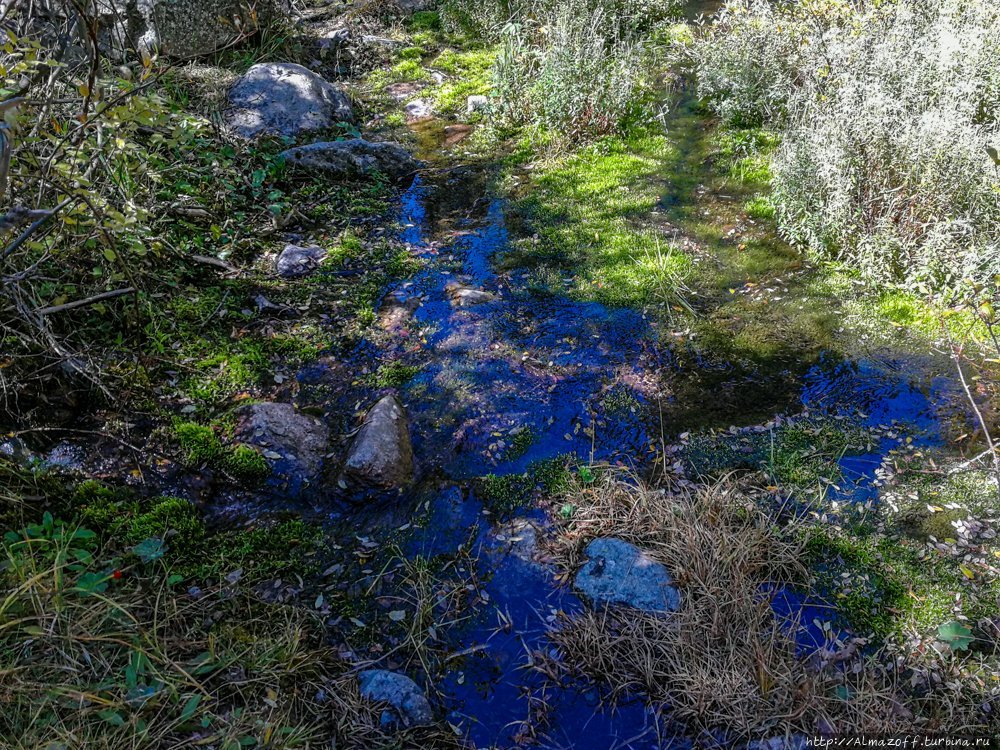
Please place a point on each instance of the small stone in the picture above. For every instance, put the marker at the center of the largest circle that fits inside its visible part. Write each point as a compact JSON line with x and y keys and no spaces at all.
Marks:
{"x":455,"y":133}
{"x":294,"y":444}
{"x":418,"y":109}
{"x":17,"y":451}
{"x":409,"y":704}
{"x":617,"y":572}
{"x":381,"y":454}
{"x":476,"y":103}
{"x":296,"y":260}
{"x":466,"y":296}
{"x":396,"y":313}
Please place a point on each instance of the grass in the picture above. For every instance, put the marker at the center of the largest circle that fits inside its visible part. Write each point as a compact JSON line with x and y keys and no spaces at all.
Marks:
{"x":725,"y":663}
{"x":127,"y":660}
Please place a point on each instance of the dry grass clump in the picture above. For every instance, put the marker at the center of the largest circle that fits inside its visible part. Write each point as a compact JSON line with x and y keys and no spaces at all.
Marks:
{"x":725,"y":661}
{"x":102,"y":652}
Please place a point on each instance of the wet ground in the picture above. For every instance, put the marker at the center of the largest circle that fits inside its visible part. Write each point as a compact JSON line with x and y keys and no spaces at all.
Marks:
{"x":526,"y":376}
{"x":522,"y":377}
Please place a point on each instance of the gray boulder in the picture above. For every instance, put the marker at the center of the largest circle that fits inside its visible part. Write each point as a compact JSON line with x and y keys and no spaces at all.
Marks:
{"x":381,"y":454}
{"x":409,"y":704}
{"x":617,"y":572}
{"x":284,"y":99}
{"x":293,"y":444}
{"x":296,"y":260}
{"x":351,"y":159}
{"x":184,"y":28}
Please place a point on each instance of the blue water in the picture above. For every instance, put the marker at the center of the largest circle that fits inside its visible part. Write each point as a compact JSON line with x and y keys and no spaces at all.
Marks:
{"x":584,"y":379}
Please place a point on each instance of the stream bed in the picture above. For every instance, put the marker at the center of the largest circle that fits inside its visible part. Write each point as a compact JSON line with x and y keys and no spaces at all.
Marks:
{"x":579,"y":380}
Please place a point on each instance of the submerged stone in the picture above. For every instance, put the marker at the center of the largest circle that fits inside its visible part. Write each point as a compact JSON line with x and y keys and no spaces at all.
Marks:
{"x":381,"y":454}
{"x":296,"y":260}
{"x":293,"y":444}
{"x":418,"y":109}
{"x":617,"y":572}
{"x":466,"y":296}
{"x":409,"y":704}
{"x":351,"y":159}
{"x":284,"y":99}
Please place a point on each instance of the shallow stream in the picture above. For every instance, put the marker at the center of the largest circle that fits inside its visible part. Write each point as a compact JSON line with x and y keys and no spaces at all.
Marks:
{"x":579,"y":379}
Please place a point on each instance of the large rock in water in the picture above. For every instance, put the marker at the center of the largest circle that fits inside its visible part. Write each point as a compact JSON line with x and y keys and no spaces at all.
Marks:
{"x":617,"y":572}
{"x":294,"y":444}
{"x":185,"y":28}
{"x":284,"y":99}
{"x":381,"y":454}
{"x":410,"y":706}
{"x":351,"y":159}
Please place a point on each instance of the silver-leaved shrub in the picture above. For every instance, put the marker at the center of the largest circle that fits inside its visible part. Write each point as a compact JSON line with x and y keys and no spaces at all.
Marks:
{"x":891,"y":117}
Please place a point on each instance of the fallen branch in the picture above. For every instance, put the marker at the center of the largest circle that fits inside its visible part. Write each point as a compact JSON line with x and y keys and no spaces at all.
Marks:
{"x":88,"y":301}
{"x":209,"y":261}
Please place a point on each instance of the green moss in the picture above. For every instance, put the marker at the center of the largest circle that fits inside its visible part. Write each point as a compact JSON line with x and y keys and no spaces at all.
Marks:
{"x":394,"y":374}
{"x":801,"y":455}
{"x":424,"y":20}
{"x":520,"y":443}
{"x":191,"y":548}
{"x":246,"y":464}
{"x":199,"y":443}
{"x":552,"y":476}
{"x":175,"y":520}
{"x":98,"y":505}
{"x":267,"y":550}
{"x":412,"y":53}
{"x":468,"y":75}
{"x":508,"y":492}
{"x":505,"y":493}
{"x":856,"y":577}
{"x":588,"y":211}
{"x":892,"y":586}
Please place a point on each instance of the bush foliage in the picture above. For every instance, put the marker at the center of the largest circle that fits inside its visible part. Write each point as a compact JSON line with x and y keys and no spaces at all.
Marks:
{"x":889,"y":118}
{"x":576,"y":69}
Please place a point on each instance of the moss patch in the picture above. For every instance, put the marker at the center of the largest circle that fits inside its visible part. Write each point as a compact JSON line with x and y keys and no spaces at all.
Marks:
{"x":799,"y":455}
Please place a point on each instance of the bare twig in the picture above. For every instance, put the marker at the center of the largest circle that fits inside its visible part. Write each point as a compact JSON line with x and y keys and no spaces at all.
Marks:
{"x":956,"y":355}
{"x":88,"y":301}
